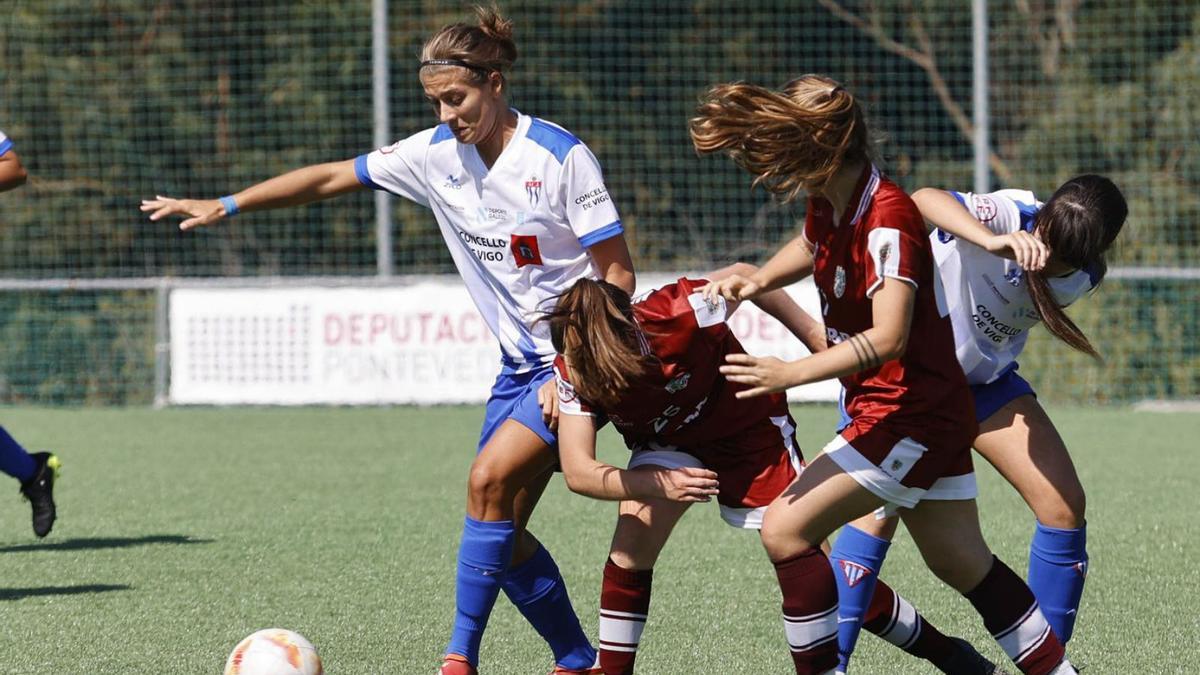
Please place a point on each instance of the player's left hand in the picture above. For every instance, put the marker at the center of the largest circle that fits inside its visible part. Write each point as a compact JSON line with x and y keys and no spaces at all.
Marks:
{"x":548,"y":399}
{"x":765,"y":374}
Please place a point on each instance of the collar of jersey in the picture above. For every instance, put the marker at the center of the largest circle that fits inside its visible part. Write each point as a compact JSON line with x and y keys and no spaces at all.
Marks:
{"x":868,"y":182}
{"x":472,"y":153}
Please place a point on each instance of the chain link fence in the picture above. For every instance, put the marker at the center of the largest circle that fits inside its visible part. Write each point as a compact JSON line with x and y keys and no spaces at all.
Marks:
{"x":111,"y":102}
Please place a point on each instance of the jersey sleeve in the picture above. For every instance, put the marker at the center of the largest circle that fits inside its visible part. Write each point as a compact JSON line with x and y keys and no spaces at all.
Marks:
{"x":1002,"y":212}
{"x":398,"y":168}
{"x":677,"y":313}
{"x":590,"y":212}
{"x":897,"y":250}
{"x":6,"y":144}
{"x":569,"y":402}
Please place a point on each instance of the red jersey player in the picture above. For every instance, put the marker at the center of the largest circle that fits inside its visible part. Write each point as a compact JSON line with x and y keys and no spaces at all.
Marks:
{"x":651,"y":368}
{"x":912,"y":417}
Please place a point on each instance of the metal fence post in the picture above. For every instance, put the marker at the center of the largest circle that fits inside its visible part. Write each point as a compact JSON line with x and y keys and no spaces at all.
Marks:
{"x":382,"y":134}
{"x":162,"y":343}
{"x":979,"y":29}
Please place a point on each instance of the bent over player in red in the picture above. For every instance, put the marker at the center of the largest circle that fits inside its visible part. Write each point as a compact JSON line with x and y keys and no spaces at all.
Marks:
{"x":651,"y":368}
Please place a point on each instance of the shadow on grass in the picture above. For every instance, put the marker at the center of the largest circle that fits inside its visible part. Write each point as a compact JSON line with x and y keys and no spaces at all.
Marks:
{"x":91,"y":543}
{"x":22,"y":593}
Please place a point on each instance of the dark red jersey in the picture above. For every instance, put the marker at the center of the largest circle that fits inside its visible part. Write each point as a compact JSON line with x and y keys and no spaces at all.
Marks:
{"x":684,"y":401}
{"x":882,"y":234}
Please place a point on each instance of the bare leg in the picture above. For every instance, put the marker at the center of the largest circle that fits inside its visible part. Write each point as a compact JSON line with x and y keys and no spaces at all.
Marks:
{"x":1022,"y":443}
{"x":948,"y":535}
{"x":642,"y":530}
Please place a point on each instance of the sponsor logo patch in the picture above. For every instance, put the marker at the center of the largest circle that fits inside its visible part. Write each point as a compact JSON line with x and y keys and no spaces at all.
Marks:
{"x":525,"y":250}
{"x":679,"y":383}
{"x":985,"y":208}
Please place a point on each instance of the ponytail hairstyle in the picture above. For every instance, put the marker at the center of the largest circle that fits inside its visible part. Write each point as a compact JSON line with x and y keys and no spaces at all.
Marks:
{"x":793,"y":140}
{"x":482,"y":49}
{"x":592,"y":326}
{"x":1078,"y":224}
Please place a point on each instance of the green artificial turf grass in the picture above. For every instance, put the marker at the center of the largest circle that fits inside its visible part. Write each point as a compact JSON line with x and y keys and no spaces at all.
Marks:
{"x":183,"y":530}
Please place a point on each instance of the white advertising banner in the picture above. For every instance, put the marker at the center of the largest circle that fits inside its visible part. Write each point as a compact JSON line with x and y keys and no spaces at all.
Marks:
{"x":423,"y":342}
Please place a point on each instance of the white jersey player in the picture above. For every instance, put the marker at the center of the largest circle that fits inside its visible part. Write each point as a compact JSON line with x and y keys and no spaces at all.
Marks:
{"x":523,"y":207}
{"x":987,"y":295}
{"x":518,"y":231}
{"x":1006,"y":261}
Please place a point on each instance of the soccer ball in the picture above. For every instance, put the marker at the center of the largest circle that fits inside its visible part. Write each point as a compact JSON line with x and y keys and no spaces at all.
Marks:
{"x":274,"y":651}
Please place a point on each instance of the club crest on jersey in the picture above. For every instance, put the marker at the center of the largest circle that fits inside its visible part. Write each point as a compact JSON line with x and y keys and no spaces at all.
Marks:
{"x":885,"y":252}
{"x":853,"y":572}
{"x":533,"y":188}
{"x":1013,"y":276}
{"x":839,"y":281}
{"x":566,"y":393}
{"x":452,"y":182}
{"x":677,"y":385}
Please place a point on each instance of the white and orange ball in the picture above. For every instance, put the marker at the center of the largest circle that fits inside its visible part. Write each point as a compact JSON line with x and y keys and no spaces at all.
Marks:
{"x":274,"y":651}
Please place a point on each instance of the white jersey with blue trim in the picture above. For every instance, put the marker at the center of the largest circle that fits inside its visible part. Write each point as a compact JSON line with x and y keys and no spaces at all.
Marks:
{"x":5,"y":144}
{"x":518,"y":232}
{"x":986,"y":295}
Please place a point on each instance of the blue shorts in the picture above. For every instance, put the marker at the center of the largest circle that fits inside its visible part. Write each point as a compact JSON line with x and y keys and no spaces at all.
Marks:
{"x":991,"y":397}
{"x":515,"y":397}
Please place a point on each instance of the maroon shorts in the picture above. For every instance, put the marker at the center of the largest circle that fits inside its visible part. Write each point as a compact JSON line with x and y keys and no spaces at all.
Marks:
{"x":902,"y":470}
{"x":754,"y":466}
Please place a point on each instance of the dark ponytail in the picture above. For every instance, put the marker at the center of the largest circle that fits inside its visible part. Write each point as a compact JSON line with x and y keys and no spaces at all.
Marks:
{"x":1078,"y":224}
{"x":592,"y":326}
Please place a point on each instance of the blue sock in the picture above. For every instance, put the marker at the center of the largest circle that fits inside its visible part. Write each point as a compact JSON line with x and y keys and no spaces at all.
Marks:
{"x":1057,"y":569}
{"x":14,"y":460}
{"x":537,"y":589}
{"x":856,"y":558}
{"x":482,"y":556}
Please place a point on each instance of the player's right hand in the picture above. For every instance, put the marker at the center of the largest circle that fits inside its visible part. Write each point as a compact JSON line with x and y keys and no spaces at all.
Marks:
{"x":1026,"y":249}
{"x":734,"y":287}
{"x":687,"y":484}
{"x":201,"y":211}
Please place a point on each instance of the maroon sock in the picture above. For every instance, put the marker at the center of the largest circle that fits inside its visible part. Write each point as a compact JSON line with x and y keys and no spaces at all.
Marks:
{"x":1011,"y":615}
{"x":810,"y":603}
{"x":624,"y":605}
{"x":892,"y":618}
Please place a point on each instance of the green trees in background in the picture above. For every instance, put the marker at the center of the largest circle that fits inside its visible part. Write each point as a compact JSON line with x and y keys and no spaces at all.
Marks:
{"x":111,"y":103}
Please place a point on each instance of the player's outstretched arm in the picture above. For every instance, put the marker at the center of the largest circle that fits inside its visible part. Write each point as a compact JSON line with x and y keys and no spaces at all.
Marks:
{"x":778,"y":304}
{"x":943,"y":211}
{"x":12,"y":172}
{"x":792,"y":263}
{"x":886,"y":339}
{"x":302,"y":186}
{"x":590,"y":477}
